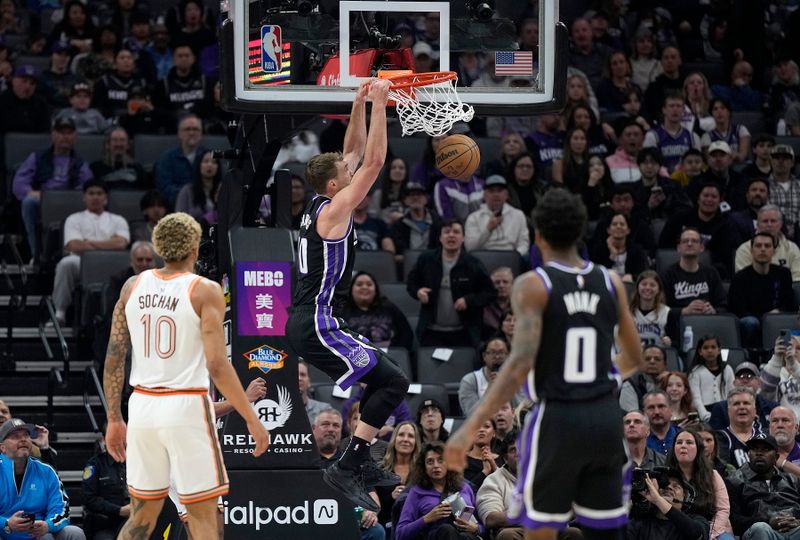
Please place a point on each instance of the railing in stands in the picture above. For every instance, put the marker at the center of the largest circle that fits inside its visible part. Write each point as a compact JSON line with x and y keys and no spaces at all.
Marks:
{"x":18,"y":299}
{"x":91,"y":382}
{"x":55,"y":380}
{"x":47,"y":313}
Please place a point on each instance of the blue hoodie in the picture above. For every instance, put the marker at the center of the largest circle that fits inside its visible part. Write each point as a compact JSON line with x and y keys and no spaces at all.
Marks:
{"x":41,"y":493}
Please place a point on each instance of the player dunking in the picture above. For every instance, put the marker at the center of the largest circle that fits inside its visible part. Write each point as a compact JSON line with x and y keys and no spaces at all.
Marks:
{"x":173,"y":320}
{"x":572,"y":457}
{"x":325,"y":255}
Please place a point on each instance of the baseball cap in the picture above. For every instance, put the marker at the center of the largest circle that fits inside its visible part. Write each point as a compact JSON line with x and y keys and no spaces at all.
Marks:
{"x":420,"y":47}
{"x":61,"y":46}
{"x":747,"y":366}
{"x":719,"y":146}
{"x":63,"y":122}
{"x":13,"y":425}
{"x":26,"y":70}
{"x":782,"y":150}
{"x":413,"y":187}
{"x":427,"y":404}
{"x":762,"y":438}
{"x":496,"y":180}
{"x":80,"y":87}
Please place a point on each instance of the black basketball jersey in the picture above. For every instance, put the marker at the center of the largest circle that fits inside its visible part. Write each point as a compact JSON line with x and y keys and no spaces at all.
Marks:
{"x":324,"y":266}
{"x":575,"y":359}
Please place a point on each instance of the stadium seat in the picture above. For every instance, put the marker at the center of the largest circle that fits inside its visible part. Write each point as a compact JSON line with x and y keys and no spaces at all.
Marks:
{"x":417,"y":393}
{"x":773,"y":323}
{"x":97,"y":267}
{"x":324,"y":392}
{"x":20,"y":145}
{"x":378,"y":263}
{"x":723,"y":325}
{"x":56,"y":206}
{"x":667,"y":257}
{"x":402,"y":358}
{"x":674,"y":361}
{"x":752,"y":120}
{"x":409,"y":260}
{"x":317,"y":376}
{"x":796,"y":289}
{"x":489,"y":147}
{"x":733,"y":356}
{"x":90,"y":147}
{"x":147,"y":149}
{"x":448,"y":372}
{"x":397,"y":294}
{"x":493,"y":259}
{"x":657,"y":225}
{"x":126,"y":204}
{"x":410,"y":149}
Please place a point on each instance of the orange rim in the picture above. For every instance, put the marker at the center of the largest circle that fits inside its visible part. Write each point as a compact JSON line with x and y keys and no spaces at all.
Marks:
{"x":401,"y":82}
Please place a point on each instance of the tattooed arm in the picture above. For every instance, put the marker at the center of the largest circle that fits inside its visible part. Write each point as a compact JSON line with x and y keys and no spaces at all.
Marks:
{"x":528,"y":298}
{"x":119,"y":343}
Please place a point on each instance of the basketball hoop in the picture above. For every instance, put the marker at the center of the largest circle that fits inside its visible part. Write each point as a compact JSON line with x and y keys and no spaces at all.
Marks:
{"x":428,"y":102}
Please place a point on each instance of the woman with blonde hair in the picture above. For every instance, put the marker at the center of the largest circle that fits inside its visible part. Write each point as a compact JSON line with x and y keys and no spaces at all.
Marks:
{"x":654,"y":319}
{"x":697,"y":100}
{"x":404,"y":447}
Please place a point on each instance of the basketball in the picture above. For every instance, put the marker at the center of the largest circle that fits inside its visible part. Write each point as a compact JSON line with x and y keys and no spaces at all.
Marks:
{"x":458,"y":157}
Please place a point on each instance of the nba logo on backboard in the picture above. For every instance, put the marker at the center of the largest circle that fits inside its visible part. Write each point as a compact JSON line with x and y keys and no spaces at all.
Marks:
{"x":270,"y":49}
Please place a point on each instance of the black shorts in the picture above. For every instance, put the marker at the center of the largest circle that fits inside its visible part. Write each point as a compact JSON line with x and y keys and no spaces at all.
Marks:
{"x":326,"y":342}
{"x":572,"y":459}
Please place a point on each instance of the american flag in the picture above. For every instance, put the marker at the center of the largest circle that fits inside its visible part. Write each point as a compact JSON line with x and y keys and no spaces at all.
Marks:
{"x":513,"y":63}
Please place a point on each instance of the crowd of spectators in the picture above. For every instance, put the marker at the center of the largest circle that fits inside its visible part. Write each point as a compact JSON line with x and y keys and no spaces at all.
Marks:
{"x":659,"y":154}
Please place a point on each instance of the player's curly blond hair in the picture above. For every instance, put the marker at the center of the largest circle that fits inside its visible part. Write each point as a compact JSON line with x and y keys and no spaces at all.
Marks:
{"x":175,"y":236}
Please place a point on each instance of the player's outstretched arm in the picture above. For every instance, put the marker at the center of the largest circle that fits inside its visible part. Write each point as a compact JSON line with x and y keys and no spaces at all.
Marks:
{"x":627,"y":336}
{"x":210,"y":305}
{"x":528,"y":298}
{"x":355,"y":137}
{"x":348,"y":198}
{"x":119,"y":343}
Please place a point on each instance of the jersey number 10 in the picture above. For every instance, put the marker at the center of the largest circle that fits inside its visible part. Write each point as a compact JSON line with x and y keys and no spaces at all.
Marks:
{"x":164,"y":345}
{"x":580,"y":359}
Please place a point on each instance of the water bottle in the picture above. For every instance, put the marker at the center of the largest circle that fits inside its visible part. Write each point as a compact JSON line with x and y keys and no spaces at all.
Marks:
{"x":688,"y":339}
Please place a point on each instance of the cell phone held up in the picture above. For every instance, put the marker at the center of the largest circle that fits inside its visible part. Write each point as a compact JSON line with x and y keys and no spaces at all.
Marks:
{"x":786,"y":337}
{"x":29,"y":517}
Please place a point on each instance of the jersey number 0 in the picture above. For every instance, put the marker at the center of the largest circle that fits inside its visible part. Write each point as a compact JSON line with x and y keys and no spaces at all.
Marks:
{"x":580,"y":360}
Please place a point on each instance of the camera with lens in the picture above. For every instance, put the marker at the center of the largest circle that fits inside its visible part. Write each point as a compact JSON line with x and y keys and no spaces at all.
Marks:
{"x":640,"y":506}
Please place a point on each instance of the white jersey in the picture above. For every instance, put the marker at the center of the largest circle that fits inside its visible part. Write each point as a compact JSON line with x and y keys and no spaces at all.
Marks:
{"x":165,"y":332}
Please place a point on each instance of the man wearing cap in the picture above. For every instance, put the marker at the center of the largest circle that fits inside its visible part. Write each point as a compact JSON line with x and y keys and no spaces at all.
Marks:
{"x":90,"y":230}
{"x":34,"y":501}
{"x":784,"y":188}
{"x":54,"y":168}
{"x":732,"y":184}
{"x":762,"y":287}
{"x":419,"y":226}
{"x":430,"y":419}
{"x":58,"y":80}
{"x":746,"y":375}
{"x":762,"y":496}
{"x":769,"y":219}
{"x":24,"y":111}
{"x":423,"y":57}
{"x":87,"y":119}
{"x":497,"y":225}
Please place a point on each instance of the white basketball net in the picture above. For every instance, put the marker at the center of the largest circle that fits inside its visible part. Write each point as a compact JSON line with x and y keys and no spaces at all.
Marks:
{"x":432,"y":108}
